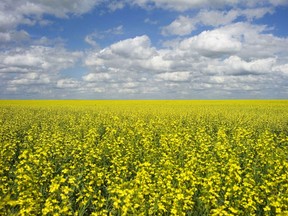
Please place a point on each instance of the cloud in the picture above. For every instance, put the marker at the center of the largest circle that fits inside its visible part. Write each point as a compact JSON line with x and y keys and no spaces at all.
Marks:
{"x":125,"y":67}
{"x":181,"y":5}
{"x":184,"y":25}
{"x":30,"y":78}
{"x":138,"y":47}
{"x":13,"y":13}
{"x":226,"y":54}
{"x":150,"y":21}
{"x":115,"y":5}
{"x":6,"y":37}
{"x":30,"y":12}
{"x":129,"y":51}
{"x":89,"y":39}
{"x":99,"y":77}
{"x":35,"y":69}
{"x":68,"y":83}
{"x":116,"y":31}
{"x":173,"y":76}
{"x":235,"y":66}
{"x":239,"y":66}
{"x":92,"y":38}
{"x":212,"y":43}
{"x":184,"y":5}
{"x":133,"y":54}
{"x":243,"y":39}
{"x":233,"y":58}
{"x":278,"y":2}
{"x":281,"y":68}
{"x":38,"y":58}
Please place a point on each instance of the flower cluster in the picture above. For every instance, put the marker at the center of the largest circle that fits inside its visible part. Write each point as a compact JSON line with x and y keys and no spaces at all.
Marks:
{"x":144,"y":158}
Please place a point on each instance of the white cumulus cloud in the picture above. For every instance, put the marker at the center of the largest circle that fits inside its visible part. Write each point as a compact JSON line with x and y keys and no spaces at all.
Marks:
{"x":231,"y":59}
{"x":174,"y":76}
{"x":138,"y":47}
{"x":214,"y":49}
{"x":183,"y":5}
{"x":184,"y":25}
{"x":13,"y":13}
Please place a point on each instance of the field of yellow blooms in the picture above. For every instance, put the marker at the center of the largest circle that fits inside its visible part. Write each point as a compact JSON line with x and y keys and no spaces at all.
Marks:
{"x":144,"y":157}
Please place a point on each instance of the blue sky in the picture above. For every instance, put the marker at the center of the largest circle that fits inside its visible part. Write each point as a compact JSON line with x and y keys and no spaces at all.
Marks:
{"x":143,"y":49}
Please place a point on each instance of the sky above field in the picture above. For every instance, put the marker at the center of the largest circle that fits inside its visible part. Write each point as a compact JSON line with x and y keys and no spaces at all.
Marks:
{"x":143,"y":49}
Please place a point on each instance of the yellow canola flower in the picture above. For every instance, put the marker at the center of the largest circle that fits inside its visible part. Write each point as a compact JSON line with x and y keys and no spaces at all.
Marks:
{"x":54,"y":187}
{"x":143,"y":157}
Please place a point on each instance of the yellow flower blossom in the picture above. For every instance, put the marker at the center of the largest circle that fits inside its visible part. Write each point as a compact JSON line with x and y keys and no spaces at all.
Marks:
{"x":143,"y":157}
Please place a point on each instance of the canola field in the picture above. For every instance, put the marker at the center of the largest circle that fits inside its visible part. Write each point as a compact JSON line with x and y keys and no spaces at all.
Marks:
{"x":144,"y":157}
